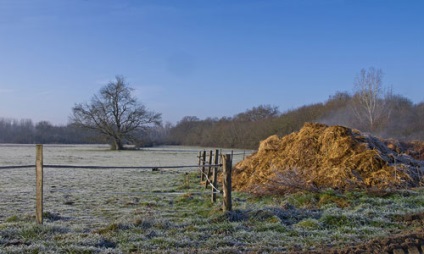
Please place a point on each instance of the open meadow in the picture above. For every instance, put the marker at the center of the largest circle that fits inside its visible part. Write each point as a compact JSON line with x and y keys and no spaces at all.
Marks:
{"x":169,"y":211}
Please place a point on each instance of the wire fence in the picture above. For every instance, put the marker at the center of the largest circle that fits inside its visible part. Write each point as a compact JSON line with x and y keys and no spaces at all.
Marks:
{"x":101,"y":167}
{"x":65,"y":185}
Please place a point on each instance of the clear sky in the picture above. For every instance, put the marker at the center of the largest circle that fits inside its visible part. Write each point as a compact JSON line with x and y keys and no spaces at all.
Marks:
{"x":204,"y":58}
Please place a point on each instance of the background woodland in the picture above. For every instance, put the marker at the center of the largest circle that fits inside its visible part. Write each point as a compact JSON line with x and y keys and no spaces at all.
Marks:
{"x":399,"y":118}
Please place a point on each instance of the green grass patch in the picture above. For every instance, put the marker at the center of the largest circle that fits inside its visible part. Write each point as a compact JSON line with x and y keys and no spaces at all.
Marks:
{"x":13,"y":218}
{"x":309,"y":224}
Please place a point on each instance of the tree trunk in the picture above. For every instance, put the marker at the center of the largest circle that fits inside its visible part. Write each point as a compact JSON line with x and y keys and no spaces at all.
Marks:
{"x":117,"y":145}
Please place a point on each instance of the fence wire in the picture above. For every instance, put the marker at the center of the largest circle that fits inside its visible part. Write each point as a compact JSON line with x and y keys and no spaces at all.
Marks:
{"x":106,"y":167}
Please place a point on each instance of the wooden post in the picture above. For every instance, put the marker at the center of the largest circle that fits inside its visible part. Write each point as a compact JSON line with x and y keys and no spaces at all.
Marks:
{"x":200,"y":162}
{"x":215,"y":176}
{"x":209,"y":169}
{"x":203,"y":167}
{"x":187,"y":181}
{"x":210,"y":163}
{"x":39,"y":184}
{"x":226,"y":182}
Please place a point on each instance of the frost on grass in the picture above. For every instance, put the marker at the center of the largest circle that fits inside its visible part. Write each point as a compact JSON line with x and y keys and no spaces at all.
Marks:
{"x":131,"y":210}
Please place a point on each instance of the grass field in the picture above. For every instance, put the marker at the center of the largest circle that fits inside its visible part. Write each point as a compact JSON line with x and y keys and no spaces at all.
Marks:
{"x":145,"y":211}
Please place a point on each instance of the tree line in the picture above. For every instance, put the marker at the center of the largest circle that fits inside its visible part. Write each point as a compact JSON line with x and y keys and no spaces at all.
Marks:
{"x":24,"y":131}
{"x":114,"y":116}
{"x":372,"y":108}
{"x":405,"y":121}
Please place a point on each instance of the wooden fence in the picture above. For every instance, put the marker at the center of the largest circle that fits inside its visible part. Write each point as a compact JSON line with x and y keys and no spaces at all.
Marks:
{"x":208,"y":174}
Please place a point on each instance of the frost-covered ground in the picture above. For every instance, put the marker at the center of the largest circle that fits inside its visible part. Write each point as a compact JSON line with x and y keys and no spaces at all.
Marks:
{"x":168,"y":211}
{"x":74,"y":192}
{"x":11,"y":154}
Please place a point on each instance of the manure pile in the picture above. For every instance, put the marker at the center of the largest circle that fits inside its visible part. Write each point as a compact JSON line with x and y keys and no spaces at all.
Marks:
{"x":320,"y":156}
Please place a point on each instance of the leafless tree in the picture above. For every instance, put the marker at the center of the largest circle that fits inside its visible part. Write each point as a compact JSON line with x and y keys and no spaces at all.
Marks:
{"x":371,"y":101}
{"x":114,"y":114}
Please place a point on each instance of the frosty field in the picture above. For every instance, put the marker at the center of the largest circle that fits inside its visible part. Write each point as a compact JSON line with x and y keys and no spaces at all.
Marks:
{"x":145,"y":211}
{"x":74,"y":192}
{"x":85,"y":199}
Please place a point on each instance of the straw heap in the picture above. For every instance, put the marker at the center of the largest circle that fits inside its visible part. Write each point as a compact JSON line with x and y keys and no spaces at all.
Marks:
{"x":320,"y":156}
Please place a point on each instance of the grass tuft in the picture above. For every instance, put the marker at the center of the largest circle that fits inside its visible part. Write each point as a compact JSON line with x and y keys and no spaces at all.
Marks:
{"x":13,"y":218}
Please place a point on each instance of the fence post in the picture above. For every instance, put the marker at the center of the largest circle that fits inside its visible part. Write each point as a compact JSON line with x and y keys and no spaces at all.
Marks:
{"x":209,"y":169}
{"x":202,"y":178}
{"x":215,"y":177}
{"x":187,"y":180}
{"x":39,"y":184}
{"x":200,"y":162}
{"x":226,"y":181}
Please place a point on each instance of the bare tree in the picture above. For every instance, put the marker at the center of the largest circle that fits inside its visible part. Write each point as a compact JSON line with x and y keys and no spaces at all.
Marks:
{"x":371,"y":101}
{"x":114,"y":114}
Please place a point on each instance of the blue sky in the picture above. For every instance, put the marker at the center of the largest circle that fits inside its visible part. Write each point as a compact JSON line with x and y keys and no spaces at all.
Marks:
{"x":204,"y":58}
